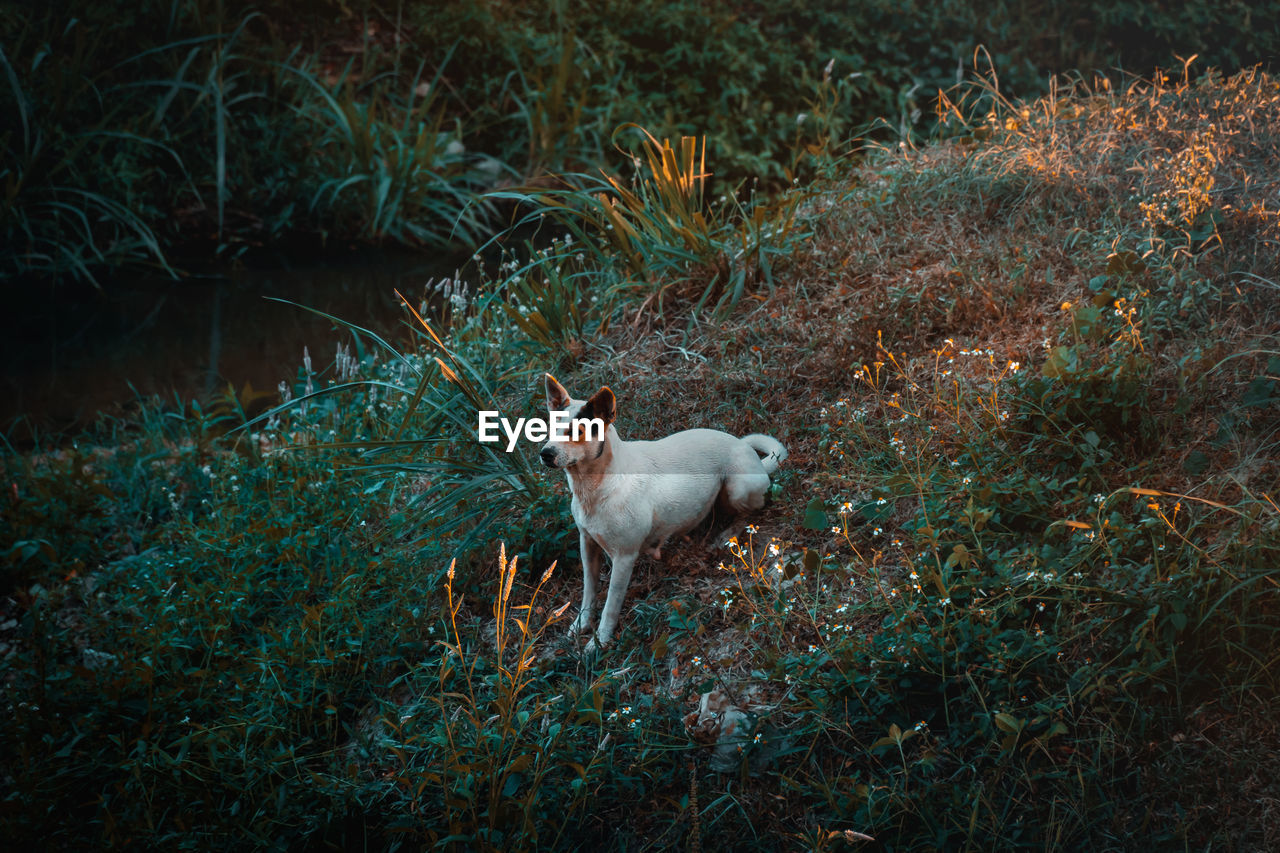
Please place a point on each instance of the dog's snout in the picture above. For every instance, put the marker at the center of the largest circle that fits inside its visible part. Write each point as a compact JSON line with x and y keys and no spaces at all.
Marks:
{"x":548,"y":455}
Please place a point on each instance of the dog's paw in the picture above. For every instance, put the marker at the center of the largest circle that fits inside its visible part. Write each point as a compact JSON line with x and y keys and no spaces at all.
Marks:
{"x":581,"y":625}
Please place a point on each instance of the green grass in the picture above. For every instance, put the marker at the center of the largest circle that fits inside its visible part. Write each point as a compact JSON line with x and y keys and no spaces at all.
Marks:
{"x":1016,"y":588}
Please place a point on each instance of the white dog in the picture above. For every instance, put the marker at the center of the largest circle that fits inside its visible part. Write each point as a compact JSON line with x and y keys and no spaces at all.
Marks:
{"x":630,"y":496}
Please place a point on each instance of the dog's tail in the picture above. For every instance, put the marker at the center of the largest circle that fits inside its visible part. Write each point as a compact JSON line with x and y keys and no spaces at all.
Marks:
{"x":770,"y":449}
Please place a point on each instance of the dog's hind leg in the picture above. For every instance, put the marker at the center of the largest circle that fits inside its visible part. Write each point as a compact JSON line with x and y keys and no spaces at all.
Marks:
{"x":592,"y":561}
{"x":619,"y":580}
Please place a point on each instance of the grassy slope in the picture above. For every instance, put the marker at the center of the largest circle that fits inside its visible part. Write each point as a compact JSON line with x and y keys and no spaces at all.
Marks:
{"x":973,"y":630}
{"x":1027,"y":243}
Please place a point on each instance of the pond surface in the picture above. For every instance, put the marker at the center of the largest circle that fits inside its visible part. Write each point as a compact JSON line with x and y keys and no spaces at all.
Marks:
{"x":68,"y":358}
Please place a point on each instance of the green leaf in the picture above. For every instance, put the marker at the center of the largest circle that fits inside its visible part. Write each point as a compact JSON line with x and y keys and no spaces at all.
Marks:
{"x":1062,"y":361}
{"x":1196,"y":463}
{"x":1122,"y":262}
{"x":960,"y":556}
{"x":815,"y":515}
{"x":1086,"y":319}
{"x":1261,"y":392}
{"x":877,"y":512}
{"x":1008,"y":723}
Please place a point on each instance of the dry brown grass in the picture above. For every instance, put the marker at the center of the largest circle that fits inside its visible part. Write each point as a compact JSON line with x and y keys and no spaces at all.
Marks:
{"x":982,"y":240}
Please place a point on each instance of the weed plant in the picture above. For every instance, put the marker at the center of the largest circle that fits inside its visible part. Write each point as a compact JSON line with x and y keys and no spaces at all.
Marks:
{"x":671,"y":238}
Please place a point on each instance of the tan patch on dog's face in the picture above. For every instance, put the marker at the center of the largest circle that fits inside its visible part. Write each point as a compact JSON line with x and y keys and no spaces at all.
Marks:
{"x":563,"y":454}
{"x":582,"y":443}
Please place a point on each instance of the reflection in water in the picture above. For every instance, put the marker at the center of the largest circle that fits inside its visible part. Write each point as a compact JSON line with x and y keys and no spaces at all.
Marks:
{"x":68,"y":359}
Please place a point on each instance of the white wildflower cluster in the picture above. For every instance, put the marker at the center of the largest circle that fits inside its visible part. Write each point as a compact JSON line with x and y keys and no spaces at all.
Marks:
{"x":306,"y":366}
{"x":624,"y":715}
{"x":345,"y":366}
{"x":836,"y":627}
{"x":454,"y":292}
{"x":726,"y":597}
{"x":898,"y":444}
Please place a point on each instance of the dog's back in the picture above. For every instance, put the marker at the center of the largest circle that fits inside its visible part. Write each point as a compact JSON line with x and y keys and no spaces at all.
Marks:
{"x":681,"y":476}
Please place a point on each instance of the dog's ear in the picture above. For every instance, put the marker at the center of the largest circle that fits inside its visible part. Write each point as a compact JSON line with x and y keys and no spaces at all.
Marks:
{"x":557,"y":397}
{"x":602,"y":405}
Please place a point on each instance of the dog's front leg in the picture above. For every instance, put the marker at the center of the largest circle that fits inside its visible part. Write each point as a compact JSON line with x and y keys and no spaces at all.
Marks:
{"x":592,"y":562}
{"x":619,"y":580}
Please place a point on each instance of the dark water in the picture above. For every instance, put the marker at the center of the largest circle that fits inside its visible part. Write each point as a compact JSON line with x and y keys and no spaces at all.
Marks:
{"x":68,"y":357}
